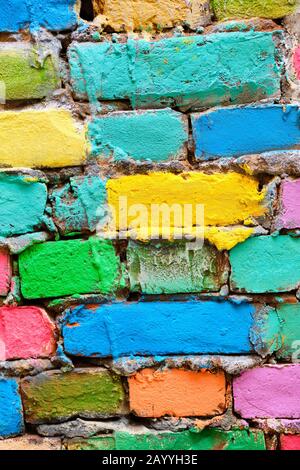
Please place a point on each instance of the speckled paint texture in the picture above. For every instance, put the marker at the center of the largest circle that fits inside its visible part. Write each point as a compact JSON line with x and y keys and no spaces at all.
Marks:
{"x":227,"y":9}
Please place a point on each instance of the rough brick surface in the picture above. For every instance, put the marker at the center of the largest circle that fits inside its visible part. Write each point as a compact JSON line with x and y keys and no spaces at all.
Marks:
{"x":55,"y":396}
{"x":227,"y":9}
{"x":168,"y":268}
{"x":137,"y":15}
{"x":37,"y":139}
{"x":17,"y":325}
{"x":158,"y":328}
{"x":178,"y":71}
{"x":23,"y":14}
{"x":69,"y":267}
{"x":155,"y":393}
{"x":11,"y":415}
{"x":5,"y":271}
{"x":209,"y":439}
{"x":268,"y":392}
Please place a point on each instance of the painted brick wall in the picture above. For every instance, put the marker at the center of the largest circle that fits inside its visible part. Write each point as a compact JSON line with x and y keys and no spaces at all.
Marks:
{"x":121,"y":329}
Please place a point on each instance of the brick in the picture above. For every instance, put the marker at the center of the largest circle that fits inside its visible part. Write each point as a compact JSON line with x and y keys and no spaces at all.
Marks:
{"x":296,"y":61}
{"x":208,"y":439}
{"x":167,"y":268}
{"x":220,"y":69}
{"x":23,"y":201}
{"x":289,"y":442}
{"x":177,"y":392}
{"x":25,"y":332}
{"x":268,"y":392}
{"x":137,"y":15}
{"x":23,"y":14}
{"x":54,"y":269}
{"x":228,"y":198}
{"x":158,"y":328}
{"x":46,"y":138}
{"x":235,"y":131}
{"x":5,"y":272}
{"x":140,"y":135}
{"x":76,"y":205}
{"x":56,"y":396}
{"x":266,"y":264}
{"x":11,"y":417}
{"x":228,"y":9}
{"x":289,"y":210}
{"x":30,"y":442}
{"x":289,"y":317}
{"x":24,"y":75}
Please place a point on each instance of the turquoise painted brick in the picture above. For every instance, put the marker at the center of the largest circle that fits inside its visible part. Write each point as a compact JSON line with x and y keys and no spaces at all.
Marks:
{"x":144,"y":135}
{"x":78,"y":206}
{"x":266,"y":264}
{"x":179,"y":71}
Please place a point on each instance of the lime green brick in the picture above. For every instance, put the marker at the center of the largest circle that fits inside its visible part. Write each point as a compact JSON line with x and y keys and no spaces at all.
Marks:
{"x":27,"y":72}
{"x":54,"y":269}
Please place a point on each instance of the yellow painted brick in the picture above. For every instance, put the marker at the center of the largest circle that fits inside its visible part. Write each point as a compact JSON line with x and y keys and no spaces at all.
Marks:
{"x":133,"y":15}
{"x":227,"y":199}
{"x":39,"y":139}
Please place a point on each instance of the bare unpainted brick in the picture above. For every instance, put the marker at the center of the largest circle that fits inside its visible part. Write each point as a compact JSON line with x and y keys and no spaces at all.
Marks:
{"x":175,"y":267}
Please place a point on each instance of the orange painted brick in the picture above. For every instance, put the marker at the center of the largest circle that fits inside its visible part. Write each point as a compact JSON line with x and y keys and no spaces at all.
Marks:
{"x":177,"y":392}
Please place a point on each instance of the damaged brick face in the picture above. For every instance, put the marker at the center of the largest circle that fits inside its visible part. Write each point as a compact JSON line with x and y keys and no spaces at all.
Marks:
{"x":123,"y":327}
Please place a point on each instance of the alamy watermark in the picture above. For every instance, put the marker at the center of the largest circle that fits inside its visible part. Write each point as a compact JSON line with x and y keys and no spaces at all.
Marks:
{"x":152,"y":222}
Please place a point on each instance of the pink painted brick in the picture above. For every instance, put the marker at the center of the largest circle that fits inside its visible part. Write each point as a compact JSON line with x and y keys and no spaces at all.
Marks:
{"x":296,"y":60}
{"x":268,"y":392}
{"x":289,"y":442}
{"x":25,"y":332}
{"x":5,"y":272}
{"x":289,"y":216}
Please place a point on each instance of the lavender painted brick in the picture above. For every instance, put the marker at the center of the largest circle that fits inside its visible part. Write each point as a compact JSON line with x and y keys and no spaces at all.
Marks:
{"x":272,"y":391}
{"x":289,"y":216}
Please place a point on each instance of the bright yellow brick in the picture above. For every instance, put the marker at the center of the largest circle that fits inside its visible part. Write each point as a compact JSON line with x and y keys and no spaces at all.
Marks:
{"x":133,"y":15}
{"x":37,"y":139}
{"x":227,"y":199}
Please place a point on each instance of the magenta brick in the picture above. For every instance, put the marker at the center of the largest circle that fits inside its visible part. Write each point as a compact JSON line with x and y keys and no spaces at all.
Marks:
{"x":272,"y":391}
{"x":25,"y":332}
{"x":289,"y":442}
{"x":289,"y":216}
{"x":5,"y":272}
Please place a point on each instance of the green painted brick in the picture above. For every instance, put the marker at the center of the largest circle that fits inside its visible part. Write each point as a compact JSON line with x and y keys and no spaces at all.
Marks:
{"x":56,"y":396}
{"x":266,"y":264}
{"x":171,"y":267}
{"x":209,"y":439}
{"x":188,"y":72}
{"x":54,"y":269}
{"x":230,"y":9}
{"x":289,"y":318}
{"x":141,"y":135}
{"x":27,"y":72}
